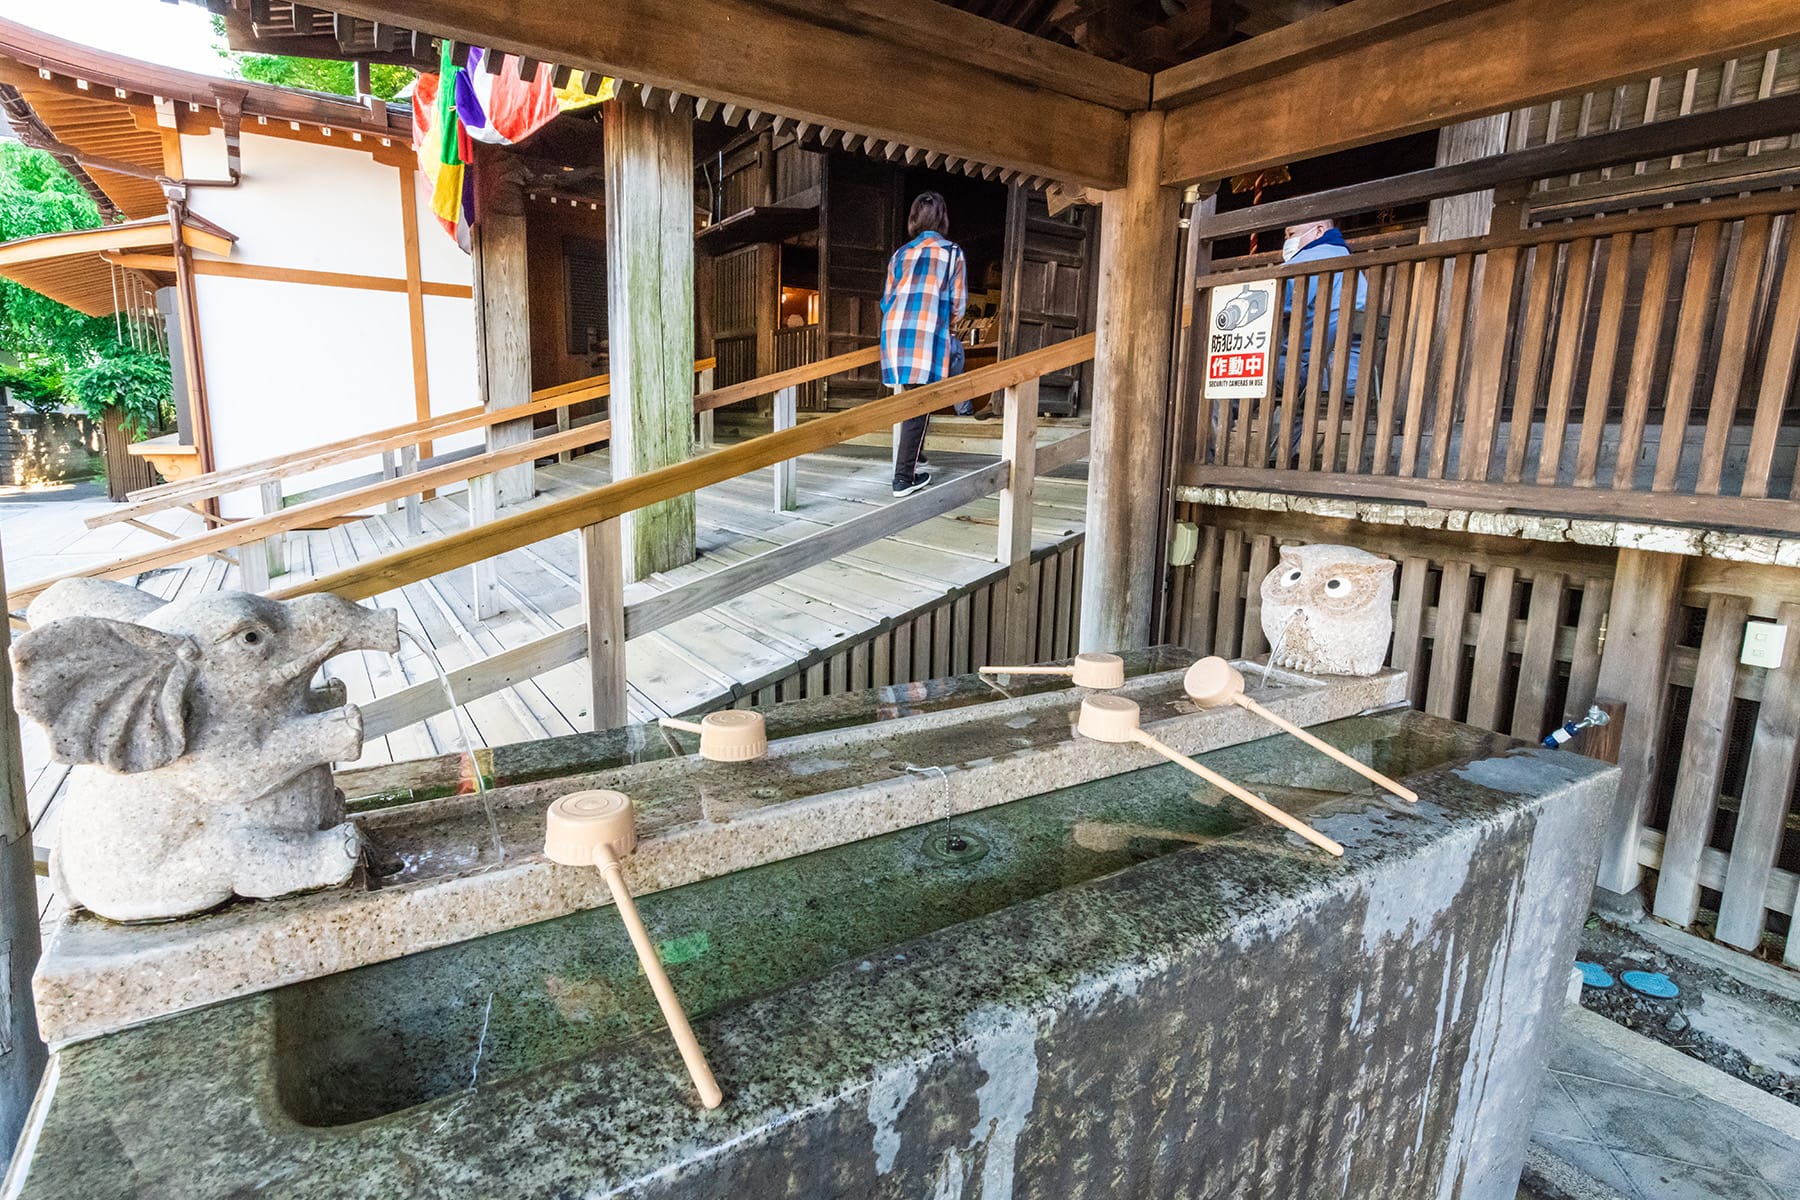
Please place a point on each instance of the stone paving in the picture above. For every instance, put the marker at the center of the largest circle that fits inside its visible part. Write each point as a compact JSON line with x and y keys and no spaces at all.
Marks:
{"x":1651,"y":1124}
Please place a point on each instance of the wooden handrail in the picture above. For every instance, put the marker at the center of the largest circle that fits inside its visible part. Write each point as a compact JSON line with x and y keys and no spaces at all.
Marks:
{"x":247,"y":475}
{"x":482,"y":677}
{"x":749,"y":389}
{"x":299,"y":516}
{"x":415,"y":563}
{"x":1599,"y":227}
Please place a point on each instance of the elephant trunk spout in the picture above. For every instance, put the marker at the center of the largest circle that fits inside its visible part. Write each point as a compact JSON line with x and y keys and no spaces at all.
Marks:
{"x":348,"y":627}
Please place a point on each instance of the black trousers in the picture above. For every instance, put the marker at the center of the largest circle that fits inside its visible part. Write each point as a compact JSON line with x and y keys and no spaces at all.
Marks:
{"x":912,"y":442}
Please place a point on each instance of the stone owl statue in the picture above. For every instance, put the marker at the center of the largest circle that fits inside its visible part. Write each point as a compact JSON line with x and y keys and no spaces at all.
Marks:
{"x":1328,"y":610}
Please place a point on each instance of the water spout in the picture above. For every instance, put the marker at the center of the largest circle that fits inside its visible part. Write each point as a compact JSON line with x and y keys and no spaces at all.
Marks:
{"x":471,"y":767}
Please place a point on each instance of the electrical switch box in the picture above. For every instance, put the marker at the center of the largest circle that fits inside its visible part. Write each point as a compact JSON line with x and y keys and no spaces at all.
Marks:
{"x":1763,"y":644}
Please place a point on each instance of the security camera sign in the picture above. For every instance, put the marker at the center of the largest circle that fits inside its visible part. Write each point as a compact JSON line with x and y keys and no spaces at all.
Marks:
{"x":1240,"y":339}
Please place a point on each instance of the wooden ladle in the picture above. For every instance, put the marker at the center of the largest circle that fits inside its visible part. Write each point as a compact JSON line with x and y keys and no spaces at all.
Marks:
{"x":1090,"y":670}
{"x":1115,"y":719}
{"x":729,"y":735}
{"x":597,"y":829}
{"x":1214,"y":683}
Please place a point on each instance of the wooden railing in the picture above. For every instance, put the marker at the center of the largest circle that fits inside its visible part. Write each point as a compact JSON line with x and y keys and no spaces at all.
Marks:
{"x":398,"y":447}
{"x":1635,"y":367}
{"x":338,"y":502}
{"x":593,"y":514}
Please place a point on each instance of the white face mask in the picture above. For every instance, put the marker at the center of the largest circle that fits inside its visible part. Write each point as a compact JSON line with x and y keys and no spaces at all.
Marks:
{"x":1290,"y":247}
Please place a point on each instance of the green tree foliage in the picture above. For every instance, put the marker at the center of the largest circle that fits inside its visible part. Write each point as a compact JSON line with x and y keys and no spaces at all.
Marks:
{"x":322,"y":74}
{"x":136,"y":382}
{"x":58,"y":355}
{"x":38,"y":196}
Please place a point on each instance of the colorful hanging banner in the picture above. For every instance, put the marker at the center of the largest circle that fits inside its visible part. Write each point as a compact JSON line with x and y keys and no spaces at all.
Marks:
{"x":462,"y":105}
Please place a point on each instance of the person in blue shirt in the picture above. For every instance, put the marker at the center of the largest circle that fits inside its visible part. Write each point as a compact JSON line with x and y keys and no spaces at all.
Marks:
{"x":1315,"y":241}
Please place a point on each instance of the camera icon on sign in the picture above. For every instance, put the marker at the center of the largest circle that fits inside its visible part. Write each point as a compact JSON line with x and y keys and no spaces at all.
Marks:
{"x":1242,"y":308}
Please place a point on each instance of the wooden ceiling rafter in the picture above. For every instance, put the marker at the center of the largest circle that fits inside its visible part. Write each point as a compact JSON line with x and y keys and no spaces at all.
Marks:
{"x":1377,"y":69}
{"x":808,"y":71}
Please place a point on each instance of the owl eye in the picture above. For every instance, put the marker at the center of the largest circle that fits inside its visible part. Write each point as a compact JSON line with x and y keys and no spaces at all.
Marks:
{"x":1292,"y":576}
{"x":1335,"y":587}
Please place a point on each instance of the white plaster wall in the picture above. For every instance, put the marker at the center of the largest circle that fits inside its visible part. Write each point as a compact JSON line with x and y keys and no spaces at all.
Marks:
{"x":285,"y":372}
{"x":314,"y":207}
{"x":292,"y":365}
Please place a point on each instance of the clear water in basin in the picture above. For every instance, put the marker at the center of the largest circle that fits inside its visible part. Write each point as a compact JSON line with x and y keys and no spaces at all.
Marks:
{"x":385,"y":1038}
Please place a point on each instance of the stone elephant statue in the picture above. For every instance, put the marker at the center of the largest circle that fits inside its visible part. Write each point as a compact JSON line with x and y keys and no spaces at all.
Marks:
{"x":202,"y":750}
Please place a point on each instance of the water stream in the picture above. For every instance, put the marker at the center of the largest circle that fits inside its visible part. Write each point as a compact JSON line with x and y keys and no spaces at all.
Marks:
{"x":469,"y":762}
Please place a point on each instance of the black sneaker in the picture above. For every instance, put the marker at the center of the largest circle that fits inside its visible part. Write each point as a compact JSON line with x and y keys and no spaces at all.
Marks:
{"x":918,"y":484}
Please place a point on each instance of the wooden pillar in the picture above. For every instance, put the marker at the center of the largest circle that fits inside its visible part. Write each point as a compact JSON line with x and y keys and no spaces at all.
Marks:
{"x":502,"y":316}
{"x":1013,"y":643}
{"x":603,"y":596}
{"x":1634,"y":671}
{"x":1468,"y":215}
{"x":1763,"y":807}
{"x":22,"y":1054}
{"x":650,"y":310}
{"x":1131,"y":377}
{"x":787,"y":471}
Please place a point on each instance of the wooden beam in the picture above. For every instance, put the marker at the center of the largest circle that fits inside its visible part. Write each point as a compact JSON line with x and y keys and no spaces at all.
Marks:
{"x":1447,"y":64}
{"x":415,"y":299}
{"x":650,"y":305}
{"x":1306,"y":40}
{"x":986,"y":45}
{"x":1723,"y":127}
{"x":1650,"y":508}
{"x":1136,"y":292}
{"x":750,"y":55}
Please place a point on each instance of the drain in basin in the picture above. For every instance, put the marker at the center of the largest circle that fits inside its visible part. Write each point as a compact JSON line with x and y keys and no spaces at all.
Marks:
{"x":954,"y":848}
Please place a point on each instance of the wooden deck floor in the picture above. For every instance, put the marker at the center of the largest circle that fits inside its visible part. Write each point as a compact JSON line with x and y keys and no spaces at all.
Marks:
{"x":700,"y":662}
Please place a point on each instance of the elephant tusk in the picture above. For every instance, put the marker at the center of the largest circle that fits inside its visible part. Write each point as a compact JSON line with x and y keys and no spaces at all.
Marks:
{"x":306,"y":664}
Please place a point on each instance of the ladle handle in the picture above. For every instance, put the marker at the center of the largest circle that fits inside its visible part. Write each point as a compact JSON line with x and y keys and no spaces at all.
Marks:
{"x":677,"y":723}
{"x":608,"y":862}
{"x":1254,"y":801}
{"x":1324,"y":747}
{"x":1025,"y":670}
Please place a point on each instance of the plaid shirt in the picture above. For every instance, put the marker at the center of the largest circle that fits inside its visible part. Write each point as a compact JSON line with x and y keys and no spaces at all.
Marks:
{"x":926,"y":291}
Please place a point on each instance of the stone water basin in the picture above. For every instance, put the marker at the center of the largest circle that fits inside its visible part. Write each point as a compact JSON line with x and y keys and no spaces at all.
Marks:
{"x":381,"y":1039}
{"x":839,"y":770}
{"x":1140,"y":989}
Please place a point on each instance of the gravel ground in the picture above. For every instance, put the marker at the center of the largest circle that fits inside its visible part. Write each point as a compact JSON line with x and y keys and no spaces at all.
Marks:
{"x":1742,"y":1030}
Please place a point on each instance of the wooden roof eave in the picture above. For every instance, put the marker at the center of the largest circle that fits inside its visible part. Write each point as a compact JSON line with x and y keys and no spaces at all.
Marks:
{"x":64,"y":65}
{"x":76,"y":268}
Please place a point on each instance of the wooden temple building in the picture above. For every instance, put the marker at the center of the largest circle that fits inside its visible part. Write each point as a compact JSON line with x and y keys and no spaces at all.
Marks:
{"x":1573,"y":281}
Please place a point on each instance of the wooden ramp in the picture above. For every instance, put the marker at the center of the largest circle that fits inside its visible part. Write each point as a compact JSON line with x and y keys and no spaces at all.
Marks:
{"x":757,"y":648}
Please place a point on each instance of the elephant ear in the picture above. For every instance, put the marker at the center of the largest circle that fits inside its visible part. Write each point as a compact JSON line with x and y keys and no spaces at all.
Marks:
{"x":109,"y":692}
{"x":83,"y":597}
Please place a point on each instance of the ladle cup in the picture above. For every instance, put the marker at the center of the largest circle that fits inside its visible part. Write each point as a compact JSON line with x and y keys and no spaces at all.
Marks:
{"x":1091,"y":670}
{"x":1115,"y":719}
{"x":597,"y":829}
{"x":1213,"y":683}
{"x":730,"y":735}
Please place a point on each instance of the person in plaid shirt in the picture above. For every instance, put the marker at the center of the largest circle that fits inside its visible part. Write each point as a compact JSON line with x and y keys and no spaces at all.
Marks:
{"x":927,"y":289}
